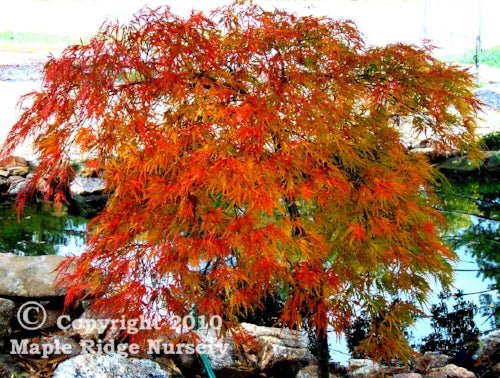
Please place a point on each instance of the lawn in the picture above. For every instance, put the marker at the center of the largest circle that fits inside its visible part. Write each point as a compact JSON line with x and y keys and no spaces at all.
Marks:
{"x":32,"y":42}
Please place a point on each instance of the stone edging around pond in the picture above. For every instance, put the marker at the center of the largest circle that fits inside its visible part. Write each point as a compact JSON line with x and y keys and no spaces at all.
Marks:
{"x":86,"y":192}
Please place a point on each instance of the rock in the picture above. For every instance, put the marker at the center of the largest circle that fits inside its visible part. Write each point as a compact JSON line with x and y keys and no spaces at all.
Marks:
{"x":84,"y":186}
{"x":427,"y":151}
{"x":16,"y":187}
{"x":6,"y":312}
{"x":4,"y":173}
{"x":492,"y":161}
{"x":496,"y":370}
{"x":277,"y":347}
{"x":18,"y":170}
{"x":393,"y":370}
{"x":463,"y":165}
{"x":15,"y":179}
{"x":450,"y":371}
{"x":407,"y":375}
{"x":88,"y":193}
{"x":221,"y":351}
{"x":87,"y":327}
{"x":71,"y":347}
{"x":430,"y":360}
{"x":310,"y":371}
{"x":169,"y":366}
{"x":362,"y":368}
{"x":108,"y":366}
{"x":51,"y":316}
{"x":458,"y":165}
{"x":489,"y":354}
{"x":13,"y":161}
{"x":29,"y":276}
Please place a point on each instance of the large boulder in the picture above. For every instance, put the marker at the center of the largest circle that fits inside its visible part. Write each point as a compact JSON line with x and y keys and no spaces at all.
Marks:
{"x":6,"y":312}
{"x":430,"y":360}
{"x":277,"y":347}
{"x":88,"y":194}
{"x":87,"y":186}
{"x":108,"y":366}
{"x":464,"y":165}
{"x":489,"y":355}
{"x":263,"y":348}
{"x":221,"y":351}
{"x":358,"y":368}
{"x":451,"y":371}
{"x":29,"y":276}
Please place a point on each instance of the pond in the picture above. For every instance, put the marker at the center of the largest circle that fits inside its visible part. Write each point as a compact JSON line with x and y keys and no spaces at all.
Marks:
{"x":471,"y":206}
{"x":40,"y":231}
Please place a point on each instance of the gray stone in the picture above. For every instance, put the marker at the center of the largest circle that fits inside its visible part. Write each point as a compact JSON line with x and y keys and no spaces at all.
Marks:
{"x":29,"y":276}
{"x":492,"y":161}
{"x":15,"y":179}
{"x":108,"y":366}
{"x":407,"y":375}
{"x":6,"y":312}
{"x":489,"y":353}
{"x":451,"y":371}
{"x":88,"y":327}
{"x":16,"y":187}
{"x":427,"y":151}
{"x":310,"y":371}
{"x":430,"y":360}
{"x":464,"y":165}
{"x":362,"y":368}
{"x":458,"y":165}
{"x":84,"y":186}
{"x":221,"y":351}
{"x":276,"y":346}
{"x":88,"y":193}
{"x":496,"y":369}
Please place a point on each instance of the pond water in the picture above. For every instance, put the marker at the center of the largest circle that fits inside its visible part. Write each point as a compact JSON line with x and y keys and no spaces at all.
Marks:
{"x":40,"y":231}
{"x":471,"y":206}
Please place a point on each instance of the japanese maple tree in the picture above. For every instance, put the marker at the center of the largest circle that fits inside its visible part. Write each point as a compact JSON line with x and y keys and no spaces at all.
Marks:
{"x":252,"y":152}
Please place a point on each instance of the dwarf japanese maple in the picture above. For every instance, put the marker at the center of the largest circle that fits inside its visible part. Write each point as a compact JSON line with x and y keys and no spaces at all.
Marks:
{"x":251,"y":152}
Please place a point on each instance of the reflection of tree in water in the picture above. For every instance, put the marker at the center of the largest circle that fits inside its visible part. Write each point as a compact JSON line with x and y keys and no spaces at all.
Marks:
{"x":472,"y":207}
{"x":39,"y":231}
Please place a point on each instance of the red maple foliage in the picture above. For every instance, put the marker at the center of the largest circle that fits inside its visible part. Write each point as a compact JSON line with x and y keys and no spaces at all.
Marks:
{"x":252,"y":152}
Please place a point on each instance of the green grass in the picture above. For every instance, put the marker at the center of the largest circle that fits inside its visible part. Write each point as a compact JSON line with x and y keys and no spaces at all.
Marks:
{"x":490,"y":57}
{"x":28,"y":41}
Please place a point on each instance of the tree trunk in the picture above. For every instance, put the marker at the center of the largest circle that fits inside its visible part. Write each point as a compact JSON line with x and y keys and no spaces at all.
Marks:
{"x":323,"y":355}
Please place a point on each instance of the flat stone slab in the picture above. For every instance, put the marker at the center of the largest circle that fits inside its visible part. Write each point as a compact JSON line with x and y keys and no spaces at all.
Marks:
{"x":29,"y":276}
{"x":458,"y":165}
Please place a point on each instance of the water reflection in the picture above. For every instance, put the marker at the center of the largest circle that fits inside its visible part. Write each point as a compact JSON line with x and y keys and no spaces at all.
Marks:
{"x":472,"y":207}
{"x":40,"y":231}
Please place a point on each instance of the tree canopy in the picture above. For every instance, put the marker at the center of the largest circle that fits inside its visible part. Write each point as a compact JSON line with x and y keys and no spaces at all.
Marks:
{"x":252,"y":152}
